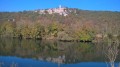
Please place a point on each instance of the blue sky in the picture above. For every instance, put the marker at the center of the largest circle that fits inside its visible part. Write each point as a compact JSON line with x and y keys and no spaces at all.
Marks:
{"x":20,"y":5}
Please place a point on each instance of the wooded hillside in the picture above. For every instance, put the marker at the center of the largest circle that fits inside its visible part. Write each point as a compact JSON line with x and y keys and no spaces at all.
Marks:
{"x":81,"y":25}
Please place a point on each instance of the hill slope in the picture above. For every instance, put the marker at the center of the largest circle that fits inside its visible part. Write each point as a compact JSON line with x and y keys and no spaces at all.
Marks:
{"x":61,"y":23}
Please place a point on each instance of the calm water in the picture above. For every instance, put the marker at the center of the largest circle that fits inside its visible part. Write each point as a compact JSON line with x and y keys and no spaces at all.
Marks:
{"x":37,"y":53}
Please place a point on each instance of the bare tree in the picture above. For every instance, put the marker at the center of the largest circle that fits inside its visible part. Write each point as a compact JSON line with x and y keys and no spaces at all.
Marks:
{"x":111,"y":52}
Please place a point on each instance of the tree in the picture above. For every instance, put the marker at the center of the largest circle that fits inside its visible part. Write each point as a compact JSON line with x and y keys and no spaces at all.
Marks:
{"x":39,"y":30}
{"x":53,"y":29}
{"x":64,"y":36}
{"x":111,"y":52}
{"x":84,"y":34}
{"x":7,"y":29}
{"x":25,"y":31}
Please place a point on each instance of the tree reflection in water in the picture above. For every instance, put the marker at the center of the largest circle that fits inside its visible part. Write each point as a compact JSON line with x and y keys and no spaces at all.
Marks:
{"x":52,"y":51}
{"x":111,"y":52}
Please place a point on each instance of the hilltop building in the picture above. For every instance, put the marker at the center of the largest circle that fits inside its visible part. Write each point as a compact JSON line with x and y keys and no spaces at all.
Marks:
{"x":60,"y":10}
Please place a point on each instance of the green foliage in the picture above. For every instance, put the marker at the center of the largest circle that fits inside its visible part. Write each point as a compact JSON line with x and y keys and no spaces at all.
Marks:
{"x":64,"y":36}
{"x":16,"y":33}
{"x":39,"y":31}
{"x":33,"y":32}
{"x":53,"y":29}
{"x":85,"y":34}
{"x":7,"y":29}
{"x":0,"y":31}
{"x":118,"y":37}
{"x":26,"y":31}
{"x":78,"y":25}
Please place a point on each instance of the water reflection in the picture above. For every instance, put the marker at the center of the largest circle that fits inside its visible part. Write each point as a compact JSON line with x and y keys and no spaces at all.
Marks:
{"x":53,"y":51}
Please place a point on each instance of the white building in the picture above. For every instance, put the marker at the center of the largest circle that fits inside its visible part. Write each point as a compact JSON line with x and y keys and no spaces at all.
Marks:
{"x":60,"y":10}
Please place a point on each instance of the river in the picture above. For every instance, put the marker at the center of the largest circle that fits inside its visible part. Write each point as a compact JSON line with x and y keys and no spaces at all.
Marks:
{"x":51,"y":53}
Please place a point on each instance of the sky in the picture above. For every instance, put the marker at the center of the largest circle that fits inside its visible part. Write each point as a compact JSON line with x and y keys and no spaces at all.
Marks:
{"x":21,"y":5}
